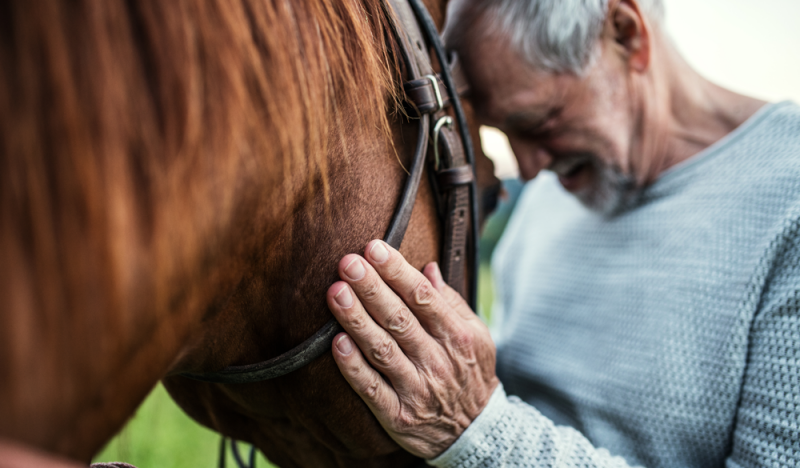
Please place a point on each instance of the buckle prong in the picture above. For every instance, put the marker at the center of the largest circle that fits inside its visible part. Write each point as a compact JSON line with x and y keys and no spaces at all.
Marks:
{"x":436,"y":92}
{"x":445,"y":121}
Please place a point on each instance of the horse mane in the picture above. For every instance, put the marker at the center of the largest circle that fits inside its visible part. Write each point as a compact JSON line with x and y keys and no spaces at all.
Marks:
{"x":121,"y":121}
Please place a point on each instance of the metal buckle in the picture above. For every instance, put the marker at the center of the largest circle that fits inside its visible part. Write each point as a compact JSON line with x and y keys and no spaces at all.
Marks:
{"x":436,"y":92}
{"x":442,"y":122}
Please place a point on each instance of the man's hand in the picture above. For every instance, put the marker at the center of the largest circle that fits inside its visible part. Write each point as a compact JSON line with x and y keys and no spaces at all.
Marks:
{"x":430,"y":362}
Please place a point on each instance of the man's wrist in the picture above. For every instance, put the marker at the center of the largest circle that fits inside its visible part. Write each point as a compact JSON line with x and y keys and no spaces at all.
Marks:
{"x":474,"y":436}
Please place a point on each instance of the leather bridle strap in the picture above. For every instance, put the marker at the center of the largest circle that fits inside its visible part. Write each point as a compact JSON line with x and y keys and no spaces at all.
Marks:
{"x":424,"y":95}
{"x":320,"y":342}
{"x":410,"y":14}
{"x":432,"y":35}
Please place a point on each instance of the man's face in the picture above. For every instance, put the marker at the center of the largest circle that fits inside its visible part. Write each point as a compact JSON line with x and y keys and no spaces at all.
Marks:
{"x":578,"y":127}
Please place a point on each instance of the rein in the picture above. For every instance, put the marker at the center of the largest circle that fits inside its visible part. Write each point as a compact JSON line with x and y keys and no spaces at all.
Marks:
{"x":453,"y":177}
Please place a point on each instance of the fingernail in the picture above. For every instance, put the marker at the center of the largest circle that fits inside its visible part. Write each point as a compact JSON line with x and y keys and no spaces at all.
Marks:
{"x":344,"y":345}
{"x":343,"y":297}
{"x":355,"y":270}
{"x":379,"y":252}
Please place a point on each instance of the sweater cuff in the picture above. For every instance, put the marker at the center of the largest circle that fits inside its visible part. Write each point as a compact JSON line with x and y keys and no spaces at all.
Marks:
{"x":475,"y":436}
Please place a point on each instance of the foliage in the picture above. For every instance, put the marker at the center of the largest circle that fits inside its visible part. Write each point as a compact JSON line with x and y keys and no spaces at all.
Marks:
{"x":161,"y":435}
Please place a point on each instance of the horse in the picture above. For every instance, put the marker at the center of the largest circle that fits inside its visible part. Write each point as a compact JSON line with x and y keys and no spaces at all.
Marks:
{"x":177,"y":183}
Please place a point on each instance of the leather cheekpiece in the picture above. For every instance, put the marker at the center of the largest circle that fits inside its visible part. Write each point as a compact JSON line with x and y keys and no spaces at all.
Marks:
{"x":421,"y":94}
{"x":453,"y":177}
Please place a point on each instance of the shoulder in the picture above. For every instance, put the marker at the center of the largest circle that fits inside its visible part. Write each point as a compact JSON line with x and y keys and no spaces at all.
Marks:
{"x":765,"y":163}
{"x":786,"y":113}
{"x":768,"y":141}
{"x":751,"y":175}
{"x":771,"y":139}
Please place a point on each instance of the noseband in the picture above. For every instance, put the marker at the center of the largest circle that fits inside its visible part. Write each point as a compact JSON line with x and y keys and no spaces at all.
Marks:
{"x":453,"y":177}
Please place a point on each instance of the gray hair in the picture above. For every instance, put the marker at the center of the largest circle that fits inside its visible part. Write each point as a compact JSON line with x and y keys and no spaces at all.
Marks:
{"x":554,"y":35}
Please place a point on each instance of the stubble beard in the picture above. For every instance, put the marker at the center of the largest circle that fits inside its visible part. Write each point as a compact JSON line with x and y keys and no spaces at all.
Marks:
{"x":611,"y":192}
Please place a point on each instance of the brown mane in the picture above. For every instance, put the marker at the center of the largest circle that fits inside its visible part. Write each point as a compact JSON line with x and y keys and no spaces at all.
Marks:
{"x":123,"y":125}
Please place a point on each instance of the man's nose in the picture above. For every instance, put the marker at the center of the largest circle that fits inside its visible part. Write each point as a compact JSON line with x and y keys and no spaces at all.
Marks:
{"x":531,"y":157}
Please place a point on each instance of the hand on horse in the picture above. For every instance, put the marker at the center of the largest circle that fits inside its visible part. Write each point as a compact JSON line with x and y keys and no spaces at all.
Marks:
{"x":422,"y":361}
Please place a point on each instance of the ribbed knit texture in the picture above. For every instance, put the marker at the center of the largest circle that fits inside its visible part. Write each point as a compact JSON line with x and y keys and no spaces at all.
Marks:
{"x":666,"y":336}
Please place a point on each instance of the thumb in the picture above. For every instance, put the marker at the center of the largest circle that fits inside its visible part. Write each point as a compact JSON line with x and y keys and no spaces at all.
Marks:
{"x":453,"y":299}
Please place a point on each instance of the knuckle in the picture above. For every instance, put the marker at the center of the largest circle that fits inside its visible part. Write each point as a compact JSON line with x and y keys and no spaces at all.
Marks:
{"x":462,"y":339}
{"x":372,"y":388}
{"x":424,"y":294}
{"x":394,"y":270}
{"x":370,"y":289}
{"x":358,"y":321}
{"x":400,"y":321}
{"x":384,"y":353}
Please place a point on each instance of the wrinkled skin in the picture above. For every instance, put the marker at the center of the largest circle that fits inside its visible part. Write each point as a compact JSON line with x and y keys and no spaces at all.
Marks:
{"x":425,"y":362}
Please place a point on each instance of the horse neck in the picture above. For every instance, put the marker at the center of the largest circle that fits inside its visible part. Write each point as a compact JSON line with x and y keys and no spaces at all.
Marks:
{"x":310,"y":417}
{"x":282,"y":303}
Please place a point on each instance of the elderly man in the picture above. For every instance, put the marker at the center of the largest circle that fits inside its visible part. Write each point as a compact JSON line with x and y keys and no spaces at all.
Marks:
{"x":652,"y":316}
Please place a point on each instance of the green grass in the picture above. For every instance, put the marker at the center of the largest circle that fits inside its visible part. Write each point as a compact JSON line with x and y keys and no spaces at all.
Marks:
{"x":161,"y":435}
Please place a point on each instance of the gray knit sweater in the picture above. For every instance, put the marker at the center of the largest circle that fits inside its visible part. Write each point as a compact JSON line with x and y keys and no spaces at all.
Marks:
{"x":666,"y":336}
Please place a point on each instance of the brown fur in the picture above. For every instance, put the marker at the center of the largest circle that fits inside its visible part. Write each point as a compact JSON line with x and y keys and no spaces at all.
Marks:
{"x":177,"y":181}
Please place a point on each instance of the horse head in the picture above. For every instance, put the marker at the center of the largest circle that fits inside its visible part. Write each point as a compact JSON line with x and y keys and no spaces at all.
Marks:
{"x":179,"y":181}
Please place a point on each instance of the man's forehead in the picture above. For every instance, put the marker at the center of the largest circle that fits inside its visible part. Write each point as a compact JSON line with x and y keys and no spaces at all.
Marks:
{"x":519,"y":104}
{"x":504,"y":86}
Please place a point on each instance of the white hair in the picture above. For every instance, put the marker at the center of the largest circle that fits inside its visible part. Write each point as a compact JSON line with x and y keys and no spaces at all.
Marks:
{"x":554,"y":35}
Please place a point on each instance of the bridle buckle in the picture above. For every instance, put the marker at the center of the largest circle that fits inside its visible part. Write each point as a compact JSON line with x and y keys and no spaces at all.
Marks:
{"x":445,"y":121}
{"x":436,"y":92}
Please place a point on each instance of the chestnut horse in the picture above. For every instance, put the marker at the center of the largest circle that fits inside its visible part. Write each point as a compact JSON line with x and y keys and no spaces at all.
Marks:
{"x":178,"y":180}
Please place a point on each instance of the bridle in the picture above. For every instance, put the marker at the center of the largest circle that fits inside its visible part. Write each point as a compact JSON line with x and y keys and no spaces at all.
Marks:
{"x":453,"y":177}
{"x":454,"y":180}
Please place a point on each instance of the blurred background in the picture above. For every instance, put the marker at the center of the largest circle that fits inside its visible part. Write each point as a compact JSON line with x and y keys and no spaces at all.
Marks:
{"x":749,"y":47}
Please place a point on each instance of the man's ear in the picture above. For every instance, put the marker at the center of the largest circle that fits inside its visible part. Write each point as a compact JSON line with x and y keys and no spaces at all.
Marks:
{"x":631,"y":33}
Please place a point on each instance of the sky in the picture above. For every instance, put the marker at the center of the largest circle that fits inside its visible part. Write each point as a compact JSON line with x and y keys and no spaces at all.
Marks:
{"x":751,"y":47}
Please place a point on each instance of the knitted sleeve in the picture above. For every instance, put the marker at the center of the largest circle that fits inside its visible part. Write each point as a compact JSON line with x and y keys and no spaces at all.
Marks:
{"x":767,"y":431}
{"x":509,"y":432}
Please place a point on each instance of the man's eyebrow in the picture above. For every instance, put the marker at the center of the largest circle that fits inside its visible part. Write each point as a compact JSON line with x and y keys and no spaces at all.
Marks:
{"x":530,"y":119}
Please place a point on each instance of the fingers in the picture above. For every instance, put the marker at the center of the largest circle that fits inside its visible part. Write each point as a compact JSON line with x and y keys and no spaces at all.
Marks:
{"x":379,"y":347}
{"x":424,"y":386}
{"x":388,"y":310}
{"x":412,"y":286}
{"x":453,"y":298}
{"x":365,"y":380}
